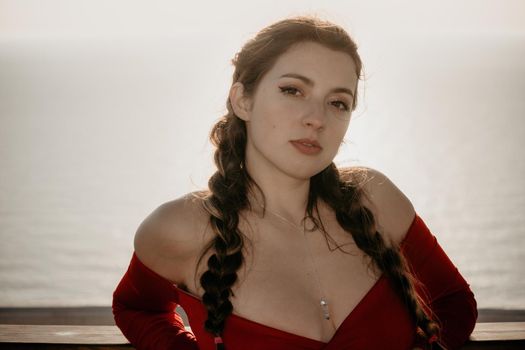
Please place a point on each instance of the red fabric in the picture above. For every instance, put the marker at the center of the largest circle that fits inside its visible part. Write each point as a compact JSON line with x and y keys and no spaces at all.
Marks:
{"x":144,"y":309}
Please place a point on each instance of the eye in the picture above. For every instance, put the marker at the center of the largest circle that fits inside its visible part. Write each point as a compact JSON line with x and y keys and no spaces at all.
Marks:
{"x":341,"y":106}
{"x":289,"y":90}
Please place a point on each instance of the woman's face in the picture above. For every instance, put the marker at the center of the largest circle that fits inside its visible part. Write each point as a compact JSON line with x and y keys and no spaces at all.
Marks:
{"x":300,"y":112}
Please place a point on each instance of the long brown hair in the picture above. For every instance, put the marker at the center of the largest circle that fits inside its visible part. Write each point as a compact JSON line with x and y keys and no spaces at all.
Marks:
{"x":340,"y":189}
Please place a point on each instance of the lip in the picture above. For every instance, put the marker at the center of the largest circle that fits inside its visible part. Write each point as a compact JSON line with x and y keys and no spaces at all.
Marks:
{"x":307,"y":146}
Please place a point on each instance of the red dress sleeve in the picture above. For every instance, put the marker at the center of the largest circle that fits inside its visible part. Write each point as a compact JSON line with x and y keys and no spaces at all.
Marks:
{"x":442,"y":286}
{"x":144,"y":310}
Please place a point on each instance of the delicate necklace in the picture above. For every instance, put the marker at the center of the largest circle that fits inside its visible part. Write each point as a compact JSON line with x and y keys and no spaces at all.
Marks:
{"x":323,"y":302}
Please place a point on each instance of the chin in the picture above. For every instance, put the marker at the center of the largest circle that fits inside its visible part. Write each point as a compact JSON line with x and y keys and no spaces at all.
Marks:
{"x":306,"y":173}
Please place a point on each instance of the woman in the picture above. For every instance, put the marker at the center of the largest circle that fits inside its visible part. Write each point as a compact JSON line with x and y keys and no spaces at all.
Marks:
{"x":299,"y":254}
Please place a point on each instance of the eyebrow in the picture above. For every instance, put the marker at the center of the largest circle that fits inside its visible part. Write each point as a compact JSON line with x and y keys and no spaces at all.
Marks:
{"x":309,"y":82}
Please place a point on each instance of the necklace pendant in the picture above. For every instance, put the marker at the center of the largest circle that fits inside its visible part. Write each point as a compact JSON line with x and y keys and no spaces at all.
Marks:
{"x":324,"y":306}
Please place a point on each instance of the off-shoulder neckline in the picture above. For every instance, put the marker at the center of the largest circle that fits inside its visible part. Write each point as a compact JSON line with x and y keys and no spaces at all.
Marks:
{"x":380,"y":281}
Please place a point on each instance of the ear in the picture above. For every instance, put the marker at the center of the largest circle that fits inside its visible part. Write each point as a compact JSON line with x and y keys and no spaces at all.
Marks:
{"x":240,"y":103}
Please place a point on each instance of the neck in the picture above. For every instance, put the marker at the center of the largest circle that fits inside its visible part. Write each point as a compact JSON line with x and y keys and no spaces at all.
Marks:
{"x":285,"y":196}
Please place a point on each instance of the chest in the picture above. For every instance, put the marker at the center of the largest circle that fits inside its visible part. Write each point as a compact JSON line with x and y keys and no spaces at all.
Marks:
{"x":286,"y":273}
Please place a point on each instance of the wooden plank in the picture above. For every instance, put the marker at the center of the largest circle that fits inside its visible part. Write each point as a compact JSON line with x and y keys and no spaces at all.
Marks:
{"x":499,"y":335}
{"x":83,"y":315}
{"x":55,"y":334}
{"x":500,"y":315}
{"x":495,"y":345}
{"x":93,"y":315}
{"x":498,"y":331}
{"x":13,"y":346}
{"x":62,"y":334}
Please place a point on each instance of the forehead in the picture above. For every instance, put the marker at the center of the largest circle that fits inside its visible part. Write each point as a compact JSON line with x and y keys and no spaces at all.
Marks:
{"x":319,"y":63}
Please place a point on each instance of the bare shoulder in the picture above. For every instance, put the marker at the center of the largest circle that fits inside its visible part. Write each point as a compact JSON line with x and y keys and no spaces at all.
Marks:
{"x":171,"y":236}
{"x":392,"y":209}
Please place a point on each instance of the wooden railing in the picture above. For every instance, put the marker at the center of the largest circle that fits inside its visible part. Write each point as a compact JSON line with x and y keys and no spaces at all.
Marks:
{"x":498,"y":335}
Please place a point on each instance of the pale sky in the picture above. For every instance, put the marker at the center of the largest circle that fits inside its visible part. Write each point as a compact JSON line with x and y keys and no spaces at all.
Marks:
{"x":120,"y":18}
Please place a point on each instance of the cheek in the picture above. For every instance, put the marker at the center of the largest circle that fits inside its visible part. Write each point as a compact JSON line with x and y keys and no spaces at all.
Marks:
{"x":274,"y":119}
{"x":338,"y":134}
{"x":264,"y":130}
{"x":339,"y":127}
{"x":343,"y":130}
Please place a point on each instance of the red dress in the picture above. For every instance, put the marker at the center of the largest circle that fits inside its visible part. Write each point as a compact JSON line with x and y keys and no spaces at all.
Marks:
{"x":144,"y":308}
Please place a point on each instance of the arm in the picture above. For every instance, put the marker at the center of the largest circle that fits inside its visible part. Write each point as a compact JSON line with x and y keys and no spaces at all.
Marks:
{"x":145,"y":300}
{"x":446,"y":291}
{"x":144,"y":310}
{"x":442,"y":286}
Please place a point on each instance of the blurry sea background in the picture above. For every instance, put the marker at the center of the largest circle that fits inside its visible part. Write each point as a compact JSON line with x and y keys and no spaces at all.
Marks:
{"x":105,"y":110}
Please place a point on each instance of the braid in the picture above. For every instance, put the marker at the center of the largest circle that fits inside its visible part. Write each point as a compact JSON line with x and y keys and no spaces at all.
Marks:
{"x":227,"y":197}
{"x":359,"y":221}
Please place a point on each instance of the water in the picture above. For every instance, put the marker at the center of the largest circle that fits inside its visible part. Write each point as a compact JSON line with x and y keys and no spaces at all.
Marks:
{"x":95,"y":134}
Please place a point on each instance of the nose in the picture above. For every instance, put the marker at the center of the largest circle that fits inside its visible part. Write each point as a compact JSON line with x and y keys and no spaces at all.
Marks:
{"x":315,"y":116}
